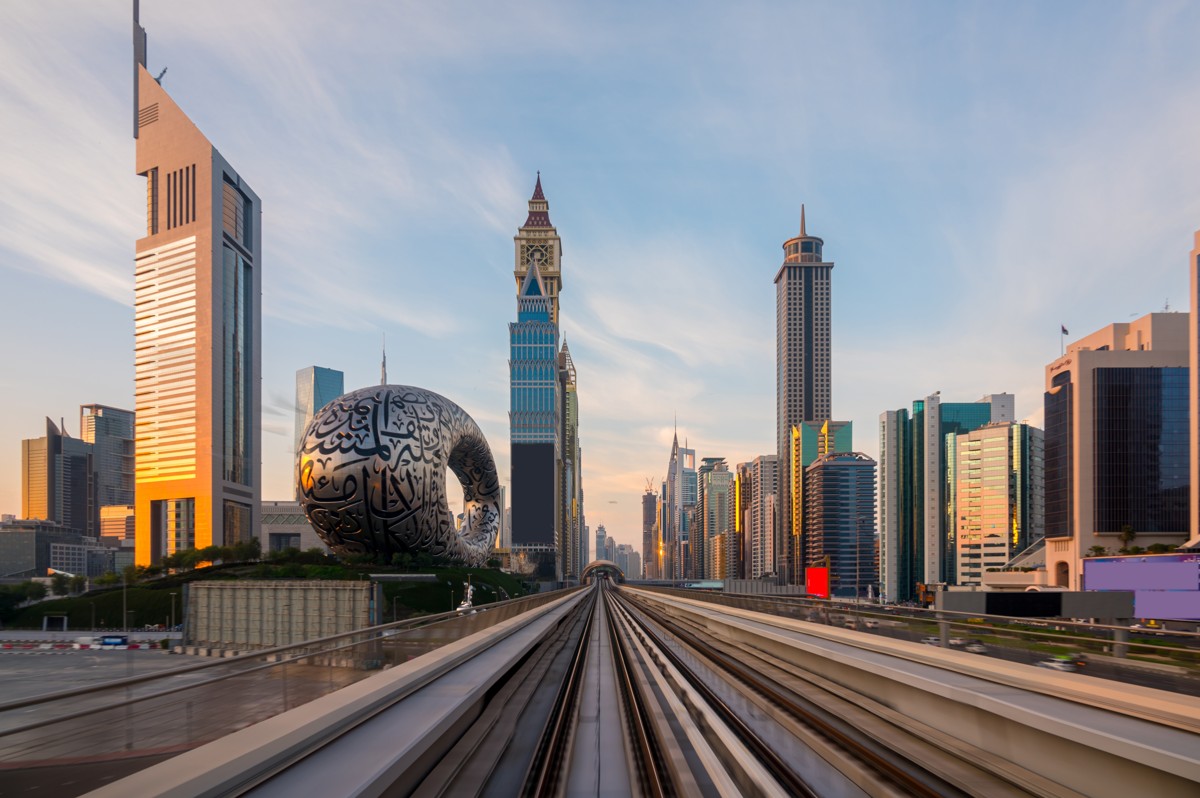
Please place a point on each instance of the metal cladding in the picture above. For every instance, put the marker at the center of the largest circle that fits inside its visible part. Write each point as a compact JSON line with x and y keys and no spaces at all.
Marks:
{"x":371,"y":471}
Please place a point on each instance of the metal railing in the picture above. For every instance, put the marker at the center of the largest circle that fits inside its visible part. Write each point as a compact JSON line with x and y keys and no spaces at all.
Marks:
{"x":144,"y":719}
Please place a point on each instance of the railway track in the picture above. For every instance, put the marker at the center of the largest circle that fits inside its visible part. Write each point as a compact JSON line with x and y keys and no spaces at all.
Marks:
{"x":617,"y":691}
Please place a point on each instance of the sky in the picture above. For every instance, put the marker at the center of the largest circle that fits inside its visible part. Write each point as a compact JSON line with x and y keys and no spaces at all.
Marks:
{"x":981,"y":174}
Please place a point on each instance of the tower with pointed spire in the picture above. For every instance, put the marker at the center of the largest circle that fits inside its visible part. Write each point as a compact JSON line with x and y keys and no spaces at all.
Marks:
{"x":537,"y":242}
{"x":803,"y":373}
{"x":537,"y":409}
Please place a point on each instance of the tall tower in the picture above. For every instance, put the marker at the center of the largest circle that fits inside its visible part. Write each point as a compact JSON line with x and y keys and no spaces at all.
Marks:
{"x":315,"y":388}
{"x":537,"y":242}
{"x":803,"y":302}
{"x":197,"y":335}
{"x":535,"y":427}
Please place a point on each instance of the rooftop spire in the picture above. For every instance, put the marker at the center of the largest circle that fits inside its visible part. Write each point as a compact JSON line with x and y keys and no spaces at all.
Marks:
{"x":803,"y":232}
{"x":383,"y":364}
{"x":537,"y":189}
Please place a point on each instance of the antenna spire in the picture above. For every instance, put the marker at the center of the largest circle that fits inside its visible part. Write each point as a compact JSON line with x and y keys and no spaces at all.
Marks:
{"x":803,"y":232}
{"x":383,"y":365}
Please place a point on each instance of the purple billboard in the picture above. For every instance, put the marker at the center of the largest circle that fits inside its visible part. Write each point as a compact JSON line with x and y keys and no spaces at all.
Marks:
{"x":1165,"y":586}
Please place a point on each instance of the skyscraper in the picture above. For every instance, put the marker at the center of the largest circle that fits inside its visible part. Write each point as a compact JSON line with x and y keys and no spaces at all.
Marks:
{"x":764,"y":481}
{"x":679,"y":498}
{"x":650,"y":532}
{"x":197,"y":334}
{"x":810,"y":441}
{"x":839,"y":509}
{"x":315,"y":388}
{"x":535,"y":419}
{"x":58,"y":481}
{"x":998,"y":499}
{"x":110,"y":431}
{"x":916,"y":525}
{"x":570,"y":488}
{"x":803,"y":300}
{"x":1118,"y":439}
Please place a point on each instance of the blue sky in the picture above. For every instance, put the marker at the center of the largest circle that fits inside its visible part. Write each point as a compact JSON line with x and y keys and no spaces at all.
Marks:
{"x":981,"y":173}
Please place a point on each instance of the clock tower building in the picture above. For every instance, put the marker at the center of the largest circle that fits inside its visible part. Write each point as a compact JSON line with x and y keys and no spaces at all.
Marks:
{"x":537,"y":242}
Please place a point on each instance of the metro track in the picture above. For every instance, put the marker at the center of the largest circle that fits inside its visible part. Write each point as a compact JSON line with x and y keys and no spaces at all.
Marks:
{"x":622,"y":691}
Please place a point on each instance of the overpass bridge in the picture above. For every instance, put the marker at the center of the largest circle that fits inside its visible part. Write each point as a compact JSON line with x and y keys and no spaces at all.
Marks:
{"x":611,"y":689}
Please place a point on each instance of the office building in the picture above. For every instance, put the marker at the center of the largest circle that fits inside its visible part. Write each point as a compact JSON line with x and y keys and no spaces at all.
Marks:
{"x":916,"y":525}
{"x":58,"y":481}
{"x":712,"y":520}
{"x":764,"y":481}
{"x":197,"y":335}
{"x":110,"y":432}
{"x":679,"y":496}
{"x":743,"y":497}
{"x":1117,"y":443}
{"x":803,"y":372}
{"x":570,"y":479}
{"x":997,"y":482}
{"x":535,"y":418}
{"x":284,"y":526}
{"x":315,"y":388}
{"x":839,"y":509}
{"x":30,"y":547}
{"x":810,"y":441}
{"x":116,"y":523}
{"x":650,"y":532}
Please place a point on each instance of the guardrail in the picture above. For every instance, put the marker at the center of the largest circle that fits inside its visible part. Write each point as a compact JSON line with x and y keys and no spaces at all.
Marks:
{"x":143,"y":719}
{"x":1169,"y":651}
{"x":1092,"y":737}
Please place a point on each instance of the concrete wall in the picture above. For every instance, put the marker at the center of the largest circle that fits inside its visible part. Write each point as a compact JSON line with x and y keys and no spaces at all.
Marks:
{"x":248,"y":615}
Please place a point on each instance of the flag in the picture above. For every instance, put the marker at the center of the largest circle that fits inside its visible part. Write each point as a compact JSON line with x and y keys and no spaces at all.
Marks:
{"x":1064,"y":330}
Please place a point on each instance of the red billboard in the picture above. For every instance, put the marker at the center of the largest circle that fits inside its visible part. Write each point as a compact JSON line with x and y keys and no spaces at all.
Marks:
{"x":816,"y":582}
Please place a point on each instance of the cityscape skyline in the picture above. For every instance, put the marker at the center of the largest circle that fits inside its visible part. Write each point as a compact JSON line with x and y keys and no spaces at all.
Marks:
{"x":680,"y":337}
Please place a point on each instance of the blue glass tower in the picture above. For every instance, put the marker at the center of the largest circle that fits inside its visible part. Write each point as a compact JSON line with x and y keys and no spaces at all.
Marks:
{"x":535,"y":399}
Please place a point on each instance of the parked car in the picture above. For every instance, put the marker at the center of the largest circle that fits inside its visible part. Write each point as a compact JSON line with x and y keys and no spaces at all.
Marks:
{"x":931,"y":641}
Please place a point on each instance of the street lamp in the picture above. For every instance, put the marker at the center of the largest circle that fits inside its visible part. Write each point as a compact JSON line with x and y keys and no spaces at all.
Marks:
{"x":173,"y":595}
{"x":394,"y":618}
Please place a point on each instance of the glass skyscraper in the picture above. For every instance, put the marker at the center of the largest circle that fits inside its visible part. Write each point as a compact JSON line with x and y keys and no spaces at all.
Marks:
{"x":536,"y":403}
{"x":1118,"y":441}
{"x":315,"y":388}
{"x":839,"y":510}
{"x":916,"y":524}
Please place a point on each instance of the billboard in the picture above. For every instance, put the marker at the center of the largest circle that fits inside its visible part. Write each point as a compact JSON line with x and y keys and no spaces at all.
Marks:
{"x":533,"y":494}
{"x":816,"y":582}
{"x":1165,"y":586}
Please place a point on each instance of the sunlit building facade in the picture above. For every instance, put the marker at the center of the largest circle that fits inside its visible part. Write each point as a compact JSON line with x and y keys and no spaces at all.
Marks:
{"x":764,"y":481}
{"x":917,"y":531}
{"x":197,"y":335}
{"x":58,"y":481}
{"x":998,"y":498}
{"x":1117,"y":443}
{"x":803,"y":308}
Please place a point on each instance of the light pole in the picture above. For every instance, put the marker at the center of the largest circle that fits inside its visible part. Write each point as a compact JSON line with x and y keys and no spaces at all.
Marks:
{"x":173,"y":595}
{"x":124,"y":610}
{"x":394,"y":618}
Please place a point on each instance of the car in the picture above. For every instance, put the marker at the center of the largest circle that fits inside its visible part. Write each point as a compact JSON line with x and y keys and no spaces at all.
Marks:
{"x":1056,"y":664}
{"x":975,"y":647}
{"x":849,"y":623}
{"x":958,"y":641}
{"x":871,"y":623}
{"x":931,"y":641}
